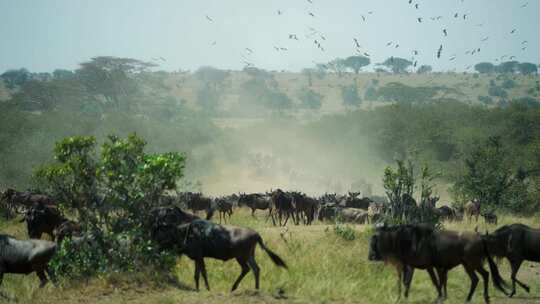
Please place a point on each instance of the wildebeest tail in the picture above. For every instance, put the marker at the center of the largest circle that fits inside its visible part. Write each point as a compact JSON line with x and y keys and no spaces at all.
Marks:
{"x":498,"y":281}
{"x":275,"y":258}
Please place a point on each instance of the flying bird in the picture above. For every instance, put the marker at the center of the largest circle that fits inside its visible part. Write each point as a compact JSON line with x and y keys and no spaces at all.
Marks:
{"x":279,"y":12}
{"x":445,"y":32}
{"x":370,"y":12}
{"x":485,"y":39}
{"x":414,"y":65}
{"x":512,"y":57}
{"x":209,"y":19}
{"x":416,"y":5}
{"x":524,"y":5}
{"x":366,"y":54}
{"x":363,"y":18}
{"x":397,"y":45}
{"x":356,"y":42}
{"x":249,"y":50}
{"x":162,"y":59}
{"x":439,"y":52}
{"x":389,"y":43}
{"x":456,"y":15}
{"x":464,"y":16}
{"x":524,"y":42}
{"x":410,"y":1}
{"x":415,"y":52}
{"x":311,"y":14}
{"x":214,"y":43}
{"x":513,"y":31}
{"x":293,"y":36}
{"x":419,"y":19}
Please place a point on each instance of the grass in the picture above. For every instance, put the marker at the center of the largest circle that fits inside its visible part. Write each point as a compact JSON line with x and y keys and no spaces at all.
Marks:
{"x":324,"y":268}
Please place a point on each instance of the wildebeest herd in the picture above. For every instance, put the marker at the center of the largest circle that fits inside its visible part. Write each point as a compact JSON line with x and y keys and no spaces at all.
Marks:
{"x":406,"y":247}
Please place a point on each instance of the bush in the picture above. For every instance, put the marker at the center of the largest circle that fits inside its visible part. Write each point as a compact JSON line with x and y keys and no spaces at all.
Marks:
{"x":497,"y":92}
{"x":345,"y":232}
{"x":350,"y":96}
{"x":508,"y":84}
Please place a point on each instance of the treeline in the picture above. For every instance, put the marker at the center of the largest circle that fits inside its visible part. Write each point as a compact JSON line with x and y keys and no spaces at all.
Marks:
{"x":507,"y":67}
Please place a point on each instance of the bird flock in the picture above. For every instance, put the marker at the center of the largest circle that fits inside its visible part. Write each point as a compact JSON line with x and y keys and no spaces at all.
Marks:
{"x":319,"y":40}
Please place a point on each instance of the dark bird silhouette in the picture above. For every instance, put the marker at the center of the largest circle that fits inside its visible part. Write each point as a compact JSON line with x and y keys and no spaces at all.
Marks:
{"x":397,"y":45}
{"x":485,"y":39}
{"x":276,"y":48}
{"x":249,"y":50}
{"x":322,"y":37}
{"x":419,"y":19}
{"x":209,"y":19}
{"x":366,"y":54}
{"x":416,"y":5}
{"x":414,"y":65}
{"x":410,"y":1}
{"x":162,"y":59}
{"x":513,"y":31}
{"x":524,"y":42}
{"x":279,"y":12}
{"x":439,"y":17}
{"x":439,"y":52}
{"x":524,"y":5}
{"x":310,"y":1}
{"x":452,"y":58}
{"x":214,"y":43}
{"x":415,"y":52}
{"x":311,"y":14}
{"x":464,"y":16}
{"x":370,"y":12}
{"x":512,"y":57}
{"x":456,"y":15}
{"x":283,"y":48}
{"x":445,"y":32}
{"x":363,"y":18}
{"x":389,"y":43}
{"x":356,"y":42}
{"x":478,"y":50}
{"x":293,"y":36}
{"x":524,"y":48}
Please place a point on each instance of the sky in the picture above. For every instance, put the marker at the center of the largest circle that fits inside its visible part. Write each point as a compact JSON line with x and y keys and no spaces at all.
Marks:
{"x":45,"y":35}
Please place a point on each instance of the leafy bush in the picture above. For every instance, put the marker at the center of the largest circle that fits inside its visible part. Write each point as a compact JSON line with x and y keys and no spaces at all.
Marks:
{"x":508,"y":84}
{"x":350,"y":96}
{"x":497,"y":91}
{"x":345,"y":232}
{"x":310,"y":99}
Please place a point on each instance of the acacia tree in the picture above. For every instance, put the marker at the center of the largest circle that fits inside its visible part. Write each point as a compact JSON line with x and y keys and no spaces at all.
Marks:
{"x":397,"y":65}
{"x":356,"y":63}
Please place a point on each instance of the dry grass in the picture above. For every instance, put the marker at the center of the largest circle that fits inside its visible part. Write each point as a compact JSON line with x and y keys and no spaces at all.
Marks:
{"x":324,"y":268}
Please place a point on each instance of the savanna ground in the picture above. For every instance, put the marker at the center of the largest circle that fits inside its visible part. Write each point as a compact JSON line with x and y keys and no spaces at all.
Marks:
{"x":323,"y":268}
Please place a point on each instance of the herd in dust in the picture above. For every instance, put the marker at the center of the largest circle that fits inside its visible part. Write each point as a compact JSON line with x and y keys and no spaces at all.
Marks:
{"x":406,"y":247}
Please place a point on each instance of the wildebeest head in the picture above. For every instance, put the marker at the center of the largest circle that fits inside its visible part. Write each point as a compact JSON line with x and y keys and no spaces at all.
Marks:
{"x":40,"y":216}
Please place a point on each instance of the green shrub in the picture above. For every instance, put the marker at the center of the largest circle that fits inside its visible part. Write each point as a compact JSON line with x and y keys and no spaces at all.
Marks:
{"x":345,"y":232}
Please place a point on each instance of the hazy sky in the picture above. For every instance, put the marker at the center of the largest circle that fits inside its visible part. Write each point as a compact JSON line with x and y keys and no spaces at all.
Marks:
{"x":44,"y":35}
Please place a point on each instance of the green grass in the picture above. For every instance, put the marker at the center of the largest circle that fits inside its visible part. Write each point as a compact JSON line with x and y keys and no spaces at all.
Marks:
{"x":324,"y":268}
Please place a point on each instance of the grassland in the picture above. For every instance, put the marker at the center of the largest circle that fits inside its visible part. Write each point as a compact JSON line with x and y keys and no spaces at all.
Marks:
{"x":324,"y":268}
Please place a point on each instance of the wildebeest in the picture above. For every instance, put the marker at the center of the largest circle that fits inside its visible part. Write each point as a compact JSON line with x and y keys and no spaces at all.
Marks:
{"x":305,"y":207}
{"x":200,"y":239}
{"x":67,"y":229}
{"x":472,"y":208}
{"x":17,"y":201}
{"x":349,"y":215}
{"x":422,"y":247}
{"x":25,"y":257}
{"x":42,"y":219}
{"x":489,"y":217}
{"x":517,"y":243}
{"x":256,"y":201}
{"x":224,"y":207}
{"x":283,"y":203}
{"x":446,"y":213}
{"x":352,"y":200}
{"x":196,"y":201}
{"x":169,"y":216}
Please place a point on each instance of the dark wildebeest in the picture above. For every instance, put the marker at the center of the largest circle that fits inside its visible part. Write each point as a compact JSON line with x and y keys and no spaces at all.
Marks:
{"x":489,"y":217}
{"x":420,"y":246}
{"x":305,"y":207}
{"x":25,"y":257}
{"x":517,"y":243}
{"x":67,"y":229}
{"x":170,"y":216}
{"x":42,"y":219}
{"x":198,"y":202}
{"x":256,"y":201}
{"x":200,"y":239}
{"x":348,"y":215}
{"x":473,"y":208}
{"x":20,"y":201}
{"x":445,"y":213}
{"x":353,"y":201}
{"x":283,"y":202}
{"x":224,"y":208}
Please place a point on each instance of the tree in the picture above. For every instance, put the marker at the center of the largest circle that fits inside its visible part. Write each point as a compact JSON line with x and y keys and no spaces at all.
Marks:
{"x":424,"y":69}
{"x":309,"y":72}
{"x":488,"y":174}
{"x":356,"y":63}
{"x":15,"y":78}
{"x":310,"y":99}
{"x":484,"y":67}
{"x":63,"y":74}
{"x":507,"y":67}
{"x":397,"y":65}
{"x":208,"y":98}
{"x":527,"y":68}
{"x":112,"y":78}
{"x":497,"y":91}
{"x":337,"y":66}
{"x":210,"y":75}
{"x":350,"y":96}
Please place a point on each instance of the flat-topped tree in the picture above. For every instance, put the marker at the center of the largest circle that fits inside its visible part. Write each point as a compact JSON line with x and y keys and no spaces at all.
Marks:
{"x":397,"y":65}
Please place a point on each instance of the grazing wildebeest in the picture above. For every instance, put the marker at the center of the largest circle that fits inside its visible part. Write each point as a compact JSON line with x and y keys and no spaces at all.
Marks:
{"x":517,"y":243}
{"x":283,"y":202}
{"x":348,"y":215}
{"x":445,"y":213}
{"x":420,"y":246}
{"x":42,"y":219}
{"x":305,"y":207}
{"x":25,"y":257}
{"x":472,"y":208}
{"x":489,"y":218}
{"x":198,"y":202}
{"x":256,"y":201}
{"x":20,"y":201}
{"x":224,"y":208}
{"x":200,"y":239}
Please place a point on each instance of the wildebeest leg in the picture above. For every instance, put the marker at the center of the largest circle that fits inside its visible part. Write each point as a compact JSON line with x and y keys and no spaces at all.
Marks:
{"x":42,"y":277}
{"x":485,"y":277}
{"x":515,"y":264}
{"x":197,"y":274}
{"x":51,"y":275}
{"x":399,"y":269}
{"x":435,"y":281}
{"x":407,"y":279}
{"x":443,"y":278}
{"x":474,"y":281}
{"x":256,"y":270}
{"x":245,"y":270}
{"x":202,"y":269}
